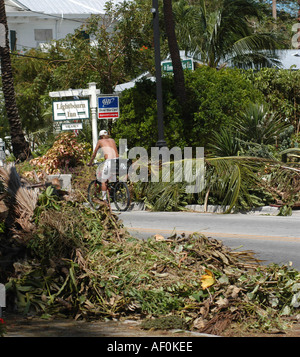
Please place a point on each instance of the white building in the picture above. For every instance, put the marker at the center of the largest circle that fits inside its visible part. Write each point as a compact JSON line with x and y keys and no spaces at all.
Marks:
{"x":34,"y":22}
{"x":290,"y":59}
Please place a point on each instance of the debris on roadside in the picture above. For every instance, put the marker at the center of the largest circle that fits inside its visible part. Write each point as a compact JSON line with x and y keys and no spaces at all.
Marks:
{"x":87,"y":266}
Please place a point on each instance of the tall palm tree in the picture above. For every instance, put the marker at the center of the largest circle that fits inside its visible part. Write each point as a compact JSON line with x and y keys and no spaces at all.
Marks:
{"x":21,"y":148}
{"x":174,"y":51}
{"x":223,"y":35}
{"x":274,"y":9}
{"x":299,"y":23}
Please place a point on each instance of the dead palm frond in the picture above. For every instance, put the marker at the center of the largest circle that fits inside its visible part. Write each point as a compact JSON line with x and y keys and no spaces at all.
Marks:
{"x":283,"y":182}
{"x":230,"y":179}
{"x":291,"y":152}
{"x":22,"y":200}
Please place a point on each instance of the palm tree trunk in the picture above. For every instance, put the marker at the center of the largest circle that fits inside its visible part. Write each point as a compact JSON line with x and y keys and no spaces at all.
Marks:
{"x":20,"y":146}
{"x":174,"y":52}
{"x":299,"y":23}
{"x":274,"y":9}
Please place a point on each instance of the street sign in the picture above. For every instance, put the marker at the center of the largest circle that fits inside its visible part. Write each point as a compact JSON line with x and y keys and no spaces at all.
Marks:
{"x":73,"y":126}
{"x":71,"y":110}
{"x":108,"y":107}
{"x":186,"y":64}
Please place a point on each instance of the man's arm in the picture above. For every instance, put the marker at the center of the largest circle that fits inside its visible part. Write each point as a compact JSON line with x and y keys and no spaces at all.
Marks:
{"x":94,"y":153}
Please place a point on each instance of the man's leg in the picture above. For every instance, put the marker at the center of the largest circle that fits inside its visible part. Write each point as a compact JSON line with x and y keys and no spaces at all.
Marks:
{"x":104,"y":190}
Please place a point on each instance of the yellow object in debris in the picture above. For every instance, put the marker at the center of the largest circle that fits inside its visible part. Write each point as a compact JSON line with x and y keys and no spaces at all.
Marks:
{"x":207,"y":279}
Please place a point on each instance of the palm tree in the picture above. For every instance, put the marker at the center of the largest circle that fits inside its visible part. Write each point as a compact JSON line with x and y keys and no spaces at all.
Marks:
{"x":225,"y":35}
{"x":255,"y":129}
{"x":299,"y":23}
{"x":174,"y":51}
{"x":224,"y":142}
{"x":274,"y":9}
{"x":20,"y":146}
{"x":258,"y":125}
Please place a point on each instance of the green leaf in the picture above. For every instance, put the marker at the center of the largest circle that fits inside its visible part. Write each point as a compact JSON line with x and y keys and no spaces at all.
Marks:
{"x":286,"y":311}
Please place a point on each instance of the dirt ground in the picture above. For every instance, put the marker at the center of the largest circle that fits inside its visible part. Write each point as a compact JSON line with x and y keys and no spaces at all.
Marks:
{"x":19,"y":326}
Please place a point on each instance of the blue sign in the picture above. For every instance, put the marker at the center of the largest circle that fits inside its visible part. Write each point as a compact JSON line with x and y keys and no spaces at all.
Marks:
{"x":108,"y":107}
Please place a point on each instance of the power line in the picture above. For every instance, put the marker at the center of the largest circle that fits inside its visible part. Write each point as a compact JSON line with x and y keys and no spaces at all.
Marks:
{"x":38,"y":58}
{"x":27,"y":56}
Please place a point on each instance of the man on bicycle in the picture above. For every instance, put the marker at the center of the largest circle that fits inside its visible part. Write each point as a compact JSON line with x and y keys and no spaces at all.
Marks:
{"x":110,"y":151}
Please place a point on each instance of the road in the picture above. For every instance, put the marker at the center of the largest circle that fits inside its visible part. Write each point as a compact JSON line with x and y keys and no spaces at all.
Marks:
{"x":273,"y":238}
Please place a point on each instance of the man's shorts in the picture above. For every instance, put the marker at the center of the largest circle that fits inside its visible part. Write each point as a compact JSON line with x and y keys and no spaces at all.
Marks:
{"x":104,"y":170}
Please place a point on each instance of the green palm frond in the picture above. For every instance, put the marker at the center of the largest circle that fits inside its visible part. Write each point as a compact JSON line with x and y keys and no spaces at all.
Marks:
{"x":232,"y":178}
{"x":257,"y":41}
{"x":216,"y":37}
{"x":293,"y":152}
{"x":224,"y":143}
{"x":258,"y":49}
{"x":229,"y":178}
{"x":259,"y":125}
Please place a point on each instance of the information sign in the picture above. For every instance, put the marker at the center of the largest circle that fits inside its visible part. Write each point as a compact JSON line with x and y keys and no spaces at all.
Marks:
{"x":71,"y":110}
{"x":72,"y":126}
{"x":186,"y":64}
{"x":108,"y":107}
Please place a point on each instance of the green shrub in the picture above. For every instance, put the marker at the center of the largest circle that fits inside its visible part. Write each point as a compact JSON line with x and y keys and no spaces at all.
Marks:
{"x":215,"y":98}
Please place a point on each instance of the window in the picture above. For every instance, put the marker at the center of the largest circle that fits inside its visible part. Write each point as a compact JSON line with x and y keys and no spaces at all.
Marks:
{"x":43,"y":35}
{"x":13,"y":40}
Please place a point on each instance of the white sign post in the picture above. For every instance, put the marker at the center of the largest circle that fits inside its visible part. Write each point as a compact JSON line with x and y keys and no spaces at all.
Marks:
{"x":2,"y":298}
{"x":92,"y":92}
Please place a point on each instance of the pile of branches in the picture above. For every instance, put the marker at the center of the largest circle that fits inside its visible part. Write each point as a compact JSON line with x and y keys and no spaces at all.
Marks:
{"x":82,"y":263}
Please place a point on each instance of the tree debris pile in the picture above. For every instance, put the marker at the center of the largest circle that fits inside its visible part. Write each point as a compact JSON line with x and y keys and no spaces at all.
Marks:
{"x":82,"y":263}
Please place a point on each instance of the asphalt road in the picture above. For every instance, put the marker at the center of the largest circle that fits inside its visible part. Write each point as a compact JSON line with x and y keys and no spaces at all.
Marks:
{"x":273,"y":238}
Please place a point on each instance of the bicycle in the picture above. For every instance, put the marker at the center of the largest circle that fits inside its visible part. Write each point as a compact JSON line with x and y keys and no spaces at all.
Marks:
{"x":118,"y":192}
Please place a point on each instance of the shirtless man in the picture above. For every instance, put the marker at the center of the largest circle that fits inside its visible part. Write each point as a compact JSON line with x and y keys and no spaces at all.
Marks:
{"x":110,"y":151}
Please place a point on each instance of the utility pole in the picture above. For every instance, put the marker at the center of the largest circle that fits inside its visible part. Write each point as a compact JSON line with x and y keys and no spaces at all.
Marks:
{"x":160,"y":113}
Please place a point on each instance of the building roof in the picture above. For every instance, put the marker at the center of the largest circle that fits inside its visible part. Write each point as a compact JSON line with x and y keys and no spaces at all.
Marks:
{"x":14,"y":5}
{"x":59,"y":6}
{"x":289,"y":58}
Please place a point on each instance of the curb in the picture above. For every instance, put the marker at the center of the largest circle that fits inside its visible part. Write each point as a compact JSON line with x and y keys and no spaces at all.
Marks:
{"x":219,"y":209}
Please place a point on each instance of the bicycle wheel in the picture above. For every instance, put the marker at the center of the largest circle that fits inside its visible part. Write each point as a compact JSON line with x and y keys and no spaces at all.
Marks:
{"x":121,"y":196}
{"x":95,"y":194}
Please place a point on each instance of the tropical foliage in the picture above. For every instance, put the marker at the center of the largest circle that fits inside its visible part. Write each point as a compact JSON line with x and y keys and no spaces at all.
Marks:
{"x":63,"y":258}
{"x":20,"y":146}
{"x":281,"y":89}
{"x":224,"y":34}
{"x":215,"y":99}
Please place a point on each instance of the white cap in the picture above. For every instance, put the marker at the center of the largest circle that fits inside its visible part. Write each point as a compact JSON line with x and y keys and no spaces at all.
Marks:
{"x":103,"y":132}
